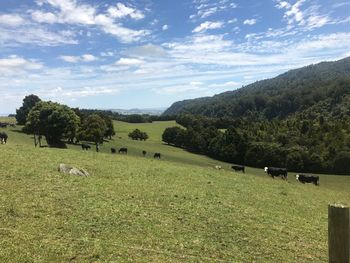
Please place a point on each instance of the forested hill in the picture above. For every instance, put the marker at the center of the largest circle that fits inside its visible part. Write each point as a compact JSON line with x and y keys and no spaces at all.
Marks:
{"x":323,"y":88}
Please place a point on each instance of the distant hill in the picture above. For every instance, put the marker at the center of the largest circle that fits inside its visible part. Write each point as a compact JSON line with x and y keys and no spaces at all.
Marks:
{"x":322,"y":88}
{"x":149,"y":111}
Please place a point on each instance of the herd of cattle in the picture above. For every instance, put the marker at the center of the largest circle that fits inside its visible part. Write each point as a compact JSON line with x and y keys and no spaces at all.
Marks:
{"x":282,"y":172}
{"x":122,"y":150}
{"x":272,"y":171}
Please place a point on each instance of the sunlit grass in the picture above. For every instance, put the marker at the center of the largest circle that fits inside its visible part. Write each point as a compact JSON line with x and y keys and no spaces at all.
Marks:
{"x":135,"y":209}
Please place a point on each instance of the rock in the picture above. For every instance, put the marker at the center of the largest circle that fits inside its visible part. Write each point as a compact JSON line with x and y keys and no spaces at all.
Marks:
{"x":67,"y":169}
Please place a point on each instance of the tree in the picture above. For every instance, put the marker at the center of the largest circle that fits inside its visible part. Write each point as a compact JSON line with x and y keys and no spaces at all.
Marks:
{"x":170,"y":134}
{"x":109,"y":126}
{"x":28,"y":103}
{"x":93,"y":129}
{"x":342,"y":162}
{"x":138,"y":135}
{"x":53,"y":120}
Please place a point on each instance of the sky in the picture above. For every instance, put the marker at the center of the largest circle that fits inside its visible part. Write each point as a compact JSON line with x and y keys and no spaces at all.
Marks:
{"x":110,"y":54}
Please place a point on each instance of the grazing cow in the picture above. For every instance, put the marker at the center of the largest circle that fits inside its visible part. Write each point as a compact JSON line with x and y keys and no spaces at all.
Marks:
{"x":3,"y":137}
{"x":144,"y":153}
{"x":218,"y":167}
{"x":123,"y":150}
{"x":85,"y":146}
{"x":275,"y":172}
{"x":156,"y":156}
{"x":238,"y":168}
{"x":303,"y":178}
{"x":3,"y":124}
{"x":113,"y":150}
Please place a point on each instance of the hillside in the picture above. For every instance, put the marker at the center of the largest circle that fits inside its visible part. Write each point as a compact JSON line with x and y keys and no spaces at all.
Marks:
{"x":134,"y":209}
{"x":324,"y":88}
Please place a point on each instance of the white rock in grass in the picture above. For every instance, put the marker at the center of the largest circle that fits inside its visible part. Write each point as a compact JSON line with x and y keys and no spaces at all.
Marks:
{"x":67,"y":169}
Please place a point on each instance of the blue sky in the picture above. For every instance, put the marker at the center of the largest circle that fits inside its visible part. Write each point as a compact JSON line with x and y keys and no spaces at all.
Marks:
{"x":151,"y":53}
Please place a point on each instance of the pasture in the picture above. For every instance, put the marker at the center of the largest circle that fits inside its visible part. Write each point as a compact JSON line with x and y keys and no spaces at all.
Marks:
{"x":136,"y":209}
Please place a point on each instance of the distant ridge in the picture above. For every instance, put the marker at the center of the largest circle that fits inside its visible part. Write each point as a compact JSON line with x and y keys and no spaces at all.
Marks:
{"x":149,"y":111}
{"x":292,"y":92}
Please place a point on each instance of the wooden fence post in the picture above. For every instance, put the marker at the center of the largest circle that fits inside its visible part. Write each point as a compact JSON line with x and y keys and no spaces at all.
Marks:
{"x":338,"y":234}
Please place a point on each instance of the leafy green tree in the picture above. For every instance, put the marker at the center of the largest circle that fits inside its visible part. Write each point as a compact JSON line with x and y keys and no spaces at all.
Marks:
{"x":138,"y":135}
{"x":53,"y":120}
{"x":28,"y":103}
{"x":295,"y":161}
{"x":109,"y":126}
{"x":170,"y":134}
{"x":342,"y":162}
{"x":93,"y":129}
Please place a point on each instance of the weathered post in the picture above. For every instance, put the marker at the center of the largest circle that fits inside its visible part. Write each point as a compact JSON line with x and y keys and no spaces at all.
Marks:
{"x":338,"y":233}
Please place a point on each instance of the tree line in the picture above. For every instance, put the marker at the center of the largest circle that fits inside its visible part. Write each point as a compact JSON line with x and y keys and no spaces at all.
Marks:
{"x":300,"y":143}
{"x":60,"y":124}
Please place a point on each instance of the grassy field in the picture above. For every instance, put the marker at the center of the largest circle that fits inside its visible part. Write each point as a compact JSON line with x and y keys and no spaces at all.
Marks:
{"x":135,"y":209}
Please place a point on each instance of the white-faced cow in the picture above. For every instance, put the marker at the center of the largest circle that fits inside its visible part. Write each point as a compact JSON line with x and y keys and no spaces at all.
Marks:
{"x":123,"y":150}
{"x":303,"y":178}
{"x":238,"y":168}
{"x":3,"y":137}
{"x":275,"y":172}
{"x":218,"y":167}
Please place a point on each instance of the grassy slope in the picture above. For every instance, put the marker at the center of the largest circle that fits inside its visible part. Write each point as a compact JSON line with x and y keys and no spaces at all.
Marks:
{"x":139,"y":209}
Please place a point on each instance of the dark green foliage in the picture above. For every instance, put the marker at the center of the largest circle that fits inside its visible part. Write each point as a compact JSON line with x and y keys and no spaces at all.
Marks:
{"x":93,"y":129}
{"x":173,"y":136}
{"x":299,"y":145}
{"x":28,"y":103}
{"x":342,"y":162}
{"x":321,"y":86}
{"x":138,"y":135}
{"x":53,"y":120}
{"x":299,"y":120}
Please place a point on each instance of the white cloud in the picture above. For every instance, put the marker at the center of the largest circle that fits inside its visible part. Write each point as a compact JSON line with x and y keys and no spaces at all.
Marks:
{"x":42,"y":17}
{"x":88,"y":58}
{"x":121,"y":11}
{"x":229,"y":84}
{"x":76,"y":59}
{"x":250,"y":22}
{"x":165,"y":27}
{"x":146,"y":51}
{"x":124,"y":34}
{"x":231,"y":21}
{"x":31,"y":34}
{"x":81,"y":92}
{"x":207,"y":9}
{"x":13,"y":65}
{"x":207,"y":25}
{"x":70,"y":59}
{"x":12,"y":20}
{"x":129,"y":62}
{"x":74,"y":13}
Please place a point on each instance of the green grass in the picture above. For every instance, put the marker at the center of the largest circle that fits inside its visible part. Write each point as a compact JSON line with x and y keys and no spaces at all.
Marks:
{"x":135,"y":209}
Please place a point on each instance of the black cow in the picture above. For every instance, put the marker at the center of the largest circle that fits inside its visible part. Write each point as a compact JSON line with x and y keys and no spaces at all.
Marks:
{"x":85,"y":146}
{"x":156,"y":156}
{"x":238,"y":168}
{"x":3,"y":124}
{"x":144,"y":153}
{"x":3,"y":137}
{"x":303,"y":178}
{"x":113,"y":150}
{"x":275,"y":172}
{"x":123,"y":150}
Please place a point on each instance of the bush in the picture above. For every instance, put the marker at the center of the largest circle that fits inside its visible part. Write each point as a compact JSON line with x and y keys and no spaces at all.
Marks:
{"x":138,"y":135}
